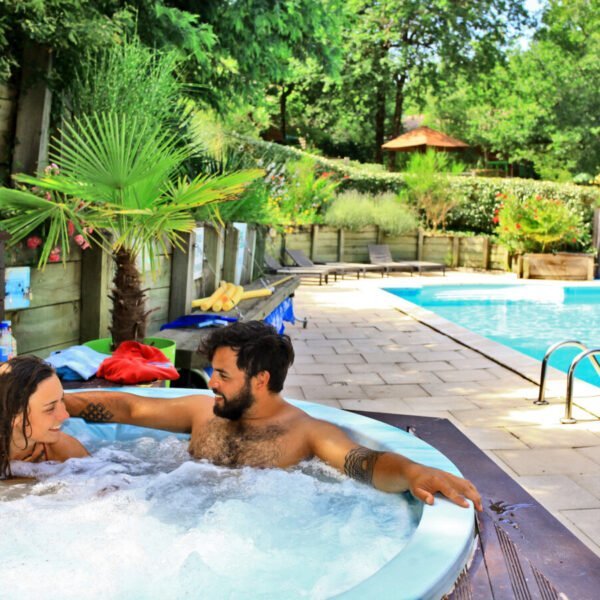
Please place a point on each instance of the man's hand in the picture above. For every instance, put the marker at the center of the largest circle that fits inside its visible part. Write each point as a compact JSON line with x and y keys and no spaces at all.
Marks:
{"x":424,"y":482}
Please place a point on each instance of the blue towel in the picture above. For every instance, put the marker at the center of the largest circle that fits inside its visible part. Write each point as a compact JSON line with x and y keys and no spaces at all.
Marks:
{"x":200,"y":320}
{"x":80,"y":359}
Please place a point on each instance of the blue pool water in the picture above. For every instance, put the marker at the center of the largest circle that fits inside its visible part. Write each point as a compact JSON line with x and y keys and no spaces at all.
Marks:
{"x":526,"y":318}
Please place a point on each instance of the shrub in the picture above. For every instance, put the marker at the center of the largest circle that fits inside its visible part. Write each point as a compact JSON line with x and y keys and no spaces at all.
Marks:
{"x":353,"y":210}
{"x":536,"y":224}
{"x":479,"y":194}
{"x":428,"y":185}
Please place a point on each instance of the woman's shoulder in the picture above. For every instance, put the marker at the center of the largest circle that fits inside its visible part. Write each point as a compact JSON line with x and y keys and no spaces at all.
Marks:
{"x":65,"y":447}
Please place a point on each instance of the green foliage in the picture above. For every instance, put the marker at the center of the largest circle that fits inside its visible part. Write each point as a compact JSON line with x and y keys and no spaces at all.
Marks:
{"x":69,"y":28}
{"x":479,"y":194}
{"x":541,"y":107}
{"x":254,"y":205}
{"x":353,"y":210}
{"x":128,"y":78}
{"x":481,"y":200}
{"x":306,"y":192}
{"x":536,"y":224}
{"x":428,"y":185}
{"x":118,"y":175}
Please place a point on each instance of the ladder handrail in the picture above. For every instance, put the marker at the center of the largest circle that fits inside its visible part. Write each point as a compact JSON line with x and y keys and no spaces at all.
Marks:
{"x":547,"y":356}
{"x":591,"y":353}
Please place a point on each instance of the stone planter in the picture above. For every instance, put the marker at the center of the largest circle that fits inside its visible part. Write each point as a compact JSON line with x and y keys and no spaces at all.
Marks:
{"x":562,"y":265}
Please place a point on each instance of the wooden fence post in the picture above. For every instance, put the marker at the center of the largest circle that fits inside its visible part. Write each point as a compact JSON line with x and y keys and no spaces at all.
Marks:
{"x":230,"y":256}
{"x":485,"y":253}
{"x":314,"y":238}
{"x":420,"y":244}
{"x":96,"y":274}
{"x":213,"y":253}
{"x":340,"y":245}
{"x":248,"y":262}
{"x":182,"y":278}
{"x":259,"y":252}
{"x":596,"y":238}
{"x":455,"y":251}
{"x":33,"y":111}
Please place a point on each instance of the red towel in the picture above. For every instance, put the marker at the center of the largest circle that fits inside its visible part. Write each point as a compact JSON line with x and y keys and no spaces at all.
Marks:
{"x":133,"y":362}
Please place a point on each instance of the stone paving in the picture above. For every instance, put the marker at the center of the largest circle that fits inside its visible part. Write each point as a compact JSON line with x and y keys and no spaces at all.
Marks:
{"x":365,"y":349}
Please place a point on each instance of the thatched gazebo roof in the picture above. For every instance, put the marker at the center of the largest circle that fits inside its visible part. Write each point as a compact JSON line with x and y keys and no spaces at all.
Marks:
{"x":422,"y":138}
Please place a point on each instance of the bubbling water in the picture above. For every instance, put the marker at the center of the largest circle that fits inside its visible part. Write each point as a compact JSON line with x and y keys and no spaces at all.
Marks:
{"x":142,"y":520}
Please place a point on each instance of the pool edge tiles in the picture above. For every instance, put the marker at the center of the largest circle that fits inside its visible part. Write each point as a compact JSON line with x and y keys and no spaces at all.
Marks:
{"x":511,"y":358}
{"x":444,"y":539}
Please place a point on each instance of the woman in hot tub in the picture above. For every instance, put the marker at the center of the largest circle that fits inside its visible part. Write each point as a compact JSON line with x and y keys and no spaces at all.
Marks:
{"x":31,"y":414}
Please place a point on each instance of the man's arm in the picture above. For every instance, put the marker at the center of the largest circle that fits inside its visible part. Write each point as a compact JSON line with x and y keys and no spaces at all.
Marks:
{"x":387,"y":471}
{"x":171,"y":414}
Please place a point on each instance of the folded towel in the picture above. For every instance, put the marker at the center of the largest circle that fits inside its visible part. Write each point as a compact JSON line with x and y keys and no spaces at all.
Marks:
{"x":81,"y":359}
{"x":133,"y":362}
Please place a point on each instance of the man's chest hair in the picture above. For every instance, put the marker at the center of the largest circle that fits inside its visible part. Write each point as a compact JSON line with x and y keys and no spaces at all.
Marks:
{"x":232,"y":444}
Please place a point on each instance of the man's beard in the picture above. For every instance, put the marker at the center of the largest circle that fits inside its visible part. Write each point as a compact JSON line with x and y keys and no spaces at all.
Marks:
{"x":234,"y":408}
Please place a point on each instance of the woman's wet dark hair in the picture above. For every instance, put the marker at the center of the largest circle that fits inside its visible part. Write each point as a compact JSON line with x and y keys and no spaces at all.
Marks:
{"x":259,"y":348}
{"x":19,"y":378}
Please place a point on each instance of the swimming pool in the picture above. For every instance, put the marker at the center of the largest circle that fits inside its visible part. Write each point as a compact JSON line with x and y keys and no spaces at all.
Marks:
{"x":526,"y":318}
{"x":133,"y":521}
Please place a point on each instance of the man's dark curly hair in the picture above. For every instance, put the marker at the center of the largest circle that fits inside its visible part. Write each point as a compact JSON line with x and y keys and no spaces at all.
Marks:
{"x":259,"y":348}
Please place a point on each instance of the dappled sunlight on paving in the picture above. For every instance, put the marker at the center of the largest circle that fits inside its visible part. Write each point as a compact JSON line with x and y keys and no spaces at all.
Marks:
{"x":364,"y":350}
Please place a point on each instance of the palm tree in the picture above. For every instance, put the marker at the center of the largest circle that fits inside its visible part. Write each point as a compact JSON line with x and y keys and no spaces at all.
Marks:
{"x":119,"y":186}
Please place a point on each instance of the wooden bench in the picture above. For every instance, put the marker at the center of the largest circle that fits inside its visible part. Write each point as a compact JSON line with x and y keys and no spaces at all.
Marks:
{"x":188,"y":338}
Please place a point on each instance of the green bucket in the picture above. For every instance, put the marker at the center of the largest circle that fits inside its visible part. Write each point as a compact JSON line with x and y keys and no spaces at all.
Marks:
{"x":167,"y":347}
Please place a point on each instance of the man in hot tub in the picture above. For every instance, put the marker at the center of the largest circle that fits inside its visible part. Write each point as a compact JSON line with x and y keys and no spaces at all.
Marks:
{"x":248,"y":423}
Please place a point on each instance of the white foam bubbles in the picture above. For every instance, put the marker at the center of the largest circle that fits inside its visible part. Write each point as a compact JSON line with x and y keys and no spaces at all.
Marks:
{"x":141,"y":520}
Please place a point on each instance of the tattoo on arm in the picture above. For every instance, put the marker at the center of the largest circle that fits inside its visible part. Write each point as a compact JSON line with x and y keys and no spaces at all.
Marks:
{"x":97,"y":413}
{"x":360,"y":462}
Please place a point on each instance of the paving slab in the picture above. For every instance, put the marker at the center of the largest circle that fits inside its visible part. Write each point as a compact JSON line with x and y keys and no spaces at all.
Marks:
{"x":393,"y":391}
{"x":547,"y":461}
{"x":362,"y":334}
{"x":559,"y":492}
{"x":362,"y":379}
{"x":558,"y":436}
{"x":587,"y":521}
{"x":493,"y":439}
{"x":320,"y":368}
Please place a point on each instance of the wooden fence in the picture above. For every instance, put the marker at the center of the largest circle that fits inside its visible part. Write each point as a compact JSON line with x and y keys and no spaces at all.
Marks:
{"x":70,"y":303}
{"x":328,"y":244}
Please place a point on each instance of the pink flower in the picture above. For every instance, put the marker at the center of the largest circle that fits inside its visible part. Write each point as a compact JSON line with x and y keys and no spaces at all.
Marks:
{"x":54,"y":255}
{"x":496,"y":220}
{"x":33,"y":242}
{"x":70,"y":228}
{"x":81,"y":242}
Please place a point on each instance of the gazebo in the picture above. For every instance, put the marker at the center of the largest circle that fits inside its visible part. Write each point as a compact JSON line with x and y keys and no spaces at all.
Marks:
{"x":421,"y":138}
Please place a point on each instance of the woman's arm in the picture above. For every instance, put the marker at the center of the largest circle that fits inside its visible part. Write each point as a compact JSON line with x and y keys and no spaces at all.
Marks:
{"x":66,"y":447}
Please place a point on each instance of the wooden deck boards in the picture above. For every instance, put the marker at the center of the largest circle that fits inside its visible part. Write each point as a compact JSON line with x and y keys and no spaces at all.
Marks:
{"x":523,"y":551}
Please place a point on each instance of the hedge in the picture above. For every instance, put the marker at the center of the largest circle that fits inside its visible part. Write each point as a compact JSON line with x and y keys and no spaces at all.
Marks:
{"x":480,"y":193}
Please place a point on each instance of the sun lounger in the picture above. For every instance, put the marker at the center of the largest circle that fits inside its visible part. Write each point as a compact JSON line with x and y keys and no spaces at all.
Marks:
{"x":380,"y":255}
{"x":302,"y":260}
{"x":317,"y":271}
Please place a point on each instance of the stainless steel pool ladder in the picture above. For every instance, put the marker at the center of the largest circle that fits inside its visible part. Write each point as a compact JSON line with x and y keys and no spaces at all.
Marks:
{"x":591,"y":353}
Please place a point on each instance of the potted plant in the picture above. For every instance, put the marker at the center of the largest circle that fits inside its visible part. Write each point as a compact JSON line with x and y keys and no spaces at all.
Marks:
{"x":535,"y":229}
{"x":120,"y":185}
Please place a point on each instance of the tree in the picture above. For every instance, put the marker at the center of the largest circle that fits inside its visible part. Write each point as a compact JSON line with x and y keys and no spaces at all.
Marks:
{"x":542,"y":106}
{"x":395,"y":44}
